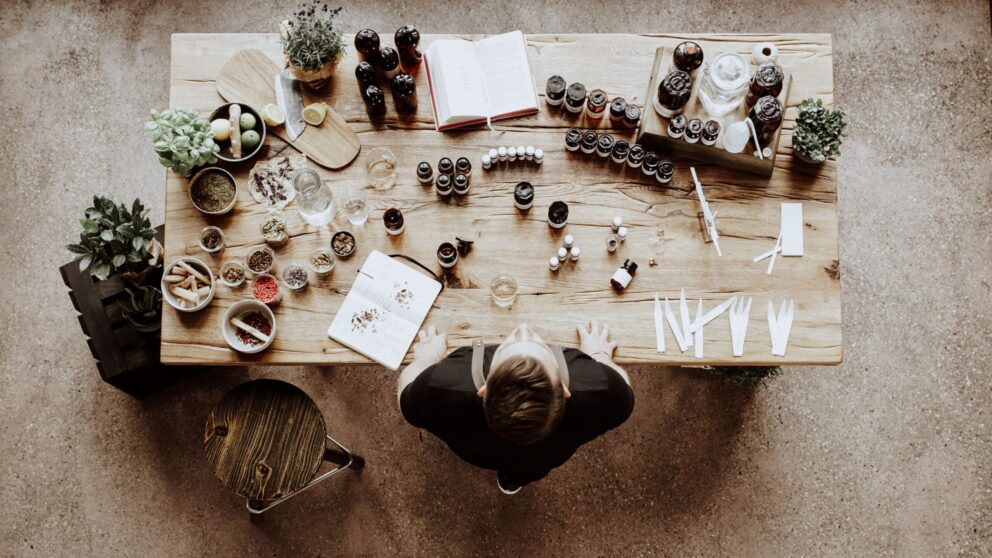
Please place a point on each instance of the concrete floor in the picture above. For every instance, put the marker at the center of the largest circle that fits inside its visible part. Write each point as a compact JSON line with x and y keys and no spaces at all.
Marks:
{"x":887,"y":455}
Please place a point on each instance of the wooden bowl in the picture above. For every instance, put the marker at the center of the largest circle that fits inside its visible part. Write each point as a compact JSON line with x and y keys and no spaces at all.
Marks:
{"x":225,"y":146}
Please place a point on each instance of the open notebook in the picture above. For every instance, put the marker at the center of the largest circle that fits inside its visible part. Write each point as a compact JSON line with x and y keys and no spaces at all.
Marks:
{"x":384,"y":310}
{"x":471,"y":81}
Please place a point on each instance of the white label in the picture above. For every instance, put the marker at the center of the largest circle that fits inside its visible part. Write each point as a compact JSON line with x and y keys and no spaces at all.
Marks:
{"x":792,"y":229}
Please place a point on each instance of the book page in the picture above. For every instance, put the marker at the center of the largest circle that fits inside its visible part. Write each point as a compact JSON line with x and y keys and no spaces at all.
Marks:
{"x":456,"y":75}
{"x":509,"y":83}
{"x":397,"y":287}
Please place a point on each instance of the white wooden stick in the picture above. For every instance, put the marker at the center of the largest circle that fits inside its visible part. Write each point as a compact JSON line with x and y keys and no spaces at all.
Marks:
{"x":250,"y":330}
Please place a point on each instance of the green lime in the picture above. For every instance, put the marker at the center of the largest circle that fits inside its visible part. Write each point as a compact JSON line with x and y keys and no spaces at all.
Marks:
{"x":247,"y":121}
{"x":250,"y":139}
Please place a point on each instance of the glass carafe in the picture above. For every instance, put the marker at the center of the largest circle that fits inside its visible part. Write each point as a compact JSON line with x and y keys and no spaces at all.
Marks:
{"x":313,"y":198}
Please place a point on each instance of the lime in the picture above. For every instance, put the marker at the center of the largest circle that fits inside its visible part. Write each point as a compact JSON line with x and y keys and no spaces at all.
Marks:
{"x":272,"y":115}
{"x":221,"y":129}
{"x":247,"y":121}
{"x":313,"y":114}
{"x":249,"y":140}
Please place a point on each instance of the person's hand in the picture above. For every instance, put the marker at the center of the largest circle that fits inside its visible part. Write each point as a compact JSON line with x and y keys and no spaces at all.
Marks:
{"x":431,"y":346}
{"x":596,"y":339}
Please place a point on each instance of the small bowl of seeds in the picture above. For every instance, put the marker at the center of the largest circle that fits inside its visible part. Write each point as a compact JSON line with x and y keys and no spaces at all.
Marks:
{"x":213,"y":191}
{"x":188,"y":284}
{"x":233,"y":273}
{"x":321,"y":261}
{"x":211,"y":240}
{"x":343,"y":244}
{"x":260,"y":260}
{"x":295,"y":277}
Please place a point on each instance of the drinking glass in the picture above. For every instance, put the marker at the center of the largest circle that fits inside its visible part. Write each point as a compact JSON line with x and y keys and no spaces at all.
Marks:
{"x":504,"y":290}
{"x":380,"y":168}
{"x":313,"y":198}
{"x":356,"y":208}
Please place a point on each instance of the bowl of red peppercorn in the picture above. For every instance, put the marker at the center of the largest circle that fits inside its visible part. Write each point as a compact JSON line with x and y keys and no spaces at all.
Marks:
{"x":249,"y":326}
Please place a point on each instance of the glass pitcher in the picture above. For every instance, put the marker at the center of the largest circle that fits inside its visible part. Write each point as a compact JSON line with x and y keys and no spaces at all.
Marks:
{"x":313,"y":198}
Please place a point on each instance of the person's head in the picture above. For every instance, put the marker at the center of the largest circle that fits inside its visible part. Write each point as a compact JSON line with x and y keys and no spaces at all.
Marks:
{"x":524,"y":398}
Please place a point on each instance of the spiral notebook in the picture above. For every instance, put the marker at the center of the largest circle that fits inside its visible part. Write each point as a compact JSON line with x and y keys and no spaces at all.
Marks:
{"x":384,"y":310}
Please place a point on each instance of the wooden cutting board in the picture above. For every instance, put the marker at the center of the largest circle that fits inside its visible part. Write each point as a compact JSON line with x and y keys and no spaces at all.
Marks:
{"x":249,"y":77}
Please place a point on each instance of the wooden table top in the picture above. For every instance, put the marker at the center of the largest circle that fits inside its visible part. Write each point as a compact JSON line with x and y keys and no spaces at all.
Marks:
{"x":747,"y":209}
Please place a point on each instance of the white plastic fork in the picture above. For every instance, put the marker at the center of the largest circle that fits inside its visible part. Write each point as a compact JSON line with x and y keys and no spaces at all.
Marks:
{"x":739,"y":315}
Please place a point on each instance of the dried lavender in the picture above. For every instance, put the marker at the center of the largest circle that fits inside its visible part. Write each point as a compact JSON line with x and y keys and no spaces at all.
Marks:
{"x":312,"y":36}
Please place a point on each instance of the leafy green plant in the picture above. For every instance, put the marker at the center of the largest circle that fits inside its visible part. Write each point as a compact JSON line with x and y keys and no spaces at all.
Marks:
{"x":116,"y":240}
{"x":819,"y":131}
{"x":746,"y":375}
{"x":182,"y":139}
{"x":142,"y":306}
{"x":311,"y":36}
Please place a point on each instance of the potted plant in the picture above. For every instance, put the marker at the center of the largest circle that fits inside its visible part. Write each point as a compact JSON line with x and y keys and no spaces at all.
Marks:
{"x":142,"y":307}
{"x":819,"y":131}
{"x":117,"y":240}
{"x":312,"y":42}
{"x":182,"y":139}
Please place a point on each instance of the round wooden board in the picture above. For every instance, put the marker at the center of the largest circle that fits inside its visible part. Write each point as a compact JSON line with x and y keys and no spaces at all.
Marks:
{"x":265,"y":439}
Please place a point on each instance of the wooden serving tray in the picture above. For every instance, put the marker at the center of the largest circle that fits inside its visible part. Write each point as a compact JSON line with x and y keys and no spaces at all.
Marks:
{"x":653,"y":129}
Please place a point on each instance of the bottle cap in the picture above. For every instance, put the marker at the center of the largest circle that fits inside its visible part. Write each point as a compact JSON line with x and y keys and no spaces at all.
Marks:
{"x":630,"y":266}
{"x":622,"y":232}
{"x":574,"y":252}
{"x":569,"y":240}
{"x":562,"y":253}
{"x":493,"y":154}
{"x":617,"y":221}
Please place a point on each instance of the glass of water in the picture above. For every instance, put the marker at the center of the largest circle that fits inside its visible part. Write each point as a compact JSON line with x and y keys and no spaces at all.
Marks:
{"x":380,"y":168}
{"x":504,"y":290}
{"x":313,"y":198}
{"x":356,"y":209}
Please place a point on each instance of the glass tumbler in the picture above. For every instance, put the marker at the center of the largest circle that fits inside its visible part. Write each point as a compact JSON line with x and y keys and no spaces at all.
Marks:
{"x":313,"y":198}
{"x":356,"y":209}
{"x":380,"y":168}
{"x":504,"y":290}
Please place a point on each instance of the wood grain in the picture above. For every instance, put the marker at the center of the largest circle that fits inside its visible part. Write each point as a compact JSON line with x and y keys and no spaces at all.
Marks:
{"x":265,"y":440}
{"x":249,"y":77}
{"x":520,"y":243}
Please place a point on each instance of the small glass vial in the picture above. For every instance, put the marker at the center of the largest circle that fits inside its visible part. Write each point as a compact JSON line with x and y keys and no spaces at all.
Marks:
{"x":575,"y":98}
{"x":538,"y":156}
{"x":388,"y":62}
{"x":445,"y":166}
{"x":460,"y":184}
{"x":463,"y":166}
{"x":573,"y":254}
{"x":693,"y":130}
{"x":621,"y":279}
{"x":493,"y":155}
{"x":620,"y":150}
{"x":211,"y":240}
{"x":612,"y":242}
{"x":673,"y":94}
{"x":375,"y":101}
{"x":604,"y":145}
{"x":521,"y":153}
{"x":558,"y":214}
{"x":366,"y":75}
{"x":676,"y":126}
{"x":573,"y":137}
{"x":295,"y":277}
{"x":568,"y":242}
{"x":523,"y":196}
{"x":553,"y":263}
{"x":367,"y":44}
{"x":589,"y":140}
{"x":529,"y":152}
{"x":711,"y":130}
{"x":487,"y":162}
{"x":618,"y":106}
{"x":425,"y":174}
{"x":617,"y":223}
{"x":596,"y":104}
{"x":554,"y":92}
{"x":407,"y":40}
{"x":635,"y":156}
{"x":502,"y":154}
{"x":511,"y":154}
{"x":631,"y":116}
{"x":562,"y":253}
{"x":688,"y":56}
{"x":650,"y":165}
{"x":622,"y":234}
{"x":443,"y":185}
{"x":404,"y":90}
{"x":666,"y":169}
{"x":447,"y":255}
{"x":393,"y":220}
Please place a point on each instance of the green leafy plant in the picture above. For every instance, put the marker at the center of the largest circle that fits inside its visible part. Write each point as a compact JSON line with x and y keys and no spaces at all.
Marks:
{"x":142,"y":306}
{"x":115,"y":240}
{"x":182,"y":139}
{"x":311,"y":36}
{"x":819,"y":131}
{"x":746,"y":375}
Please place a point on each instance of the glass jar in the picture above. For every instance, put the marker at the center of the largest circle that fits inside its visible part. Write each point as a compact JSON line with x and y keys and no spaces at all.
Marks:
{"x":380,"y":168}
{"x":725,"y":81}
{"x":313,"y":197}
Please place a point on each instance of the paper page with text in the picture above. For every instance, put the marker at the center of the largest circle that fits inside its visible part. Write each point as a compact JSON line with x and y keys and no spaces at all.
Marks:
{"x":457,"y":77}
{"x":509,"y":82}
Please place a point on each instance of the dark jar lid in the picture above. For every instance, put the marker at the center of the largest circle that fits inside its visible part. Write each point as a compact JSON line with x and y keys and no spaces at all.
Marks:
{"x":589,"y":138}
{"x":558,"y":212}
{"x":388,"y":59}
{"x":620,"y":149}
{"x":374,"y":96}
{"x":768,"y":78}
{"x":711,"y":129}
{"x":406,"y":37}
{"x":678,"y":122}
{"x":576,"y":95}
{"x":573,"y":136}
{"x":365,"y":74}
{"x":598,"y":99}
{"x":393,"y":218}
{"x":631,"y":114}
{"x":630,"y":266}
{"x":636,"y":152}
{"x":424,"y":169}
{"x":556,"y":88}
{"x":523,"y":193}
{"x":618,"y":107}
{"x":605,"y":144}
{"x":666,"y":167}
{"x":767,"y":110}
{"x":461,"y":181}
{"x":443,"y":181}
{"x":445,"y":166}
{"x":367,"y":42}
{"x":403,"y":85}
{"x":447,"y":252}
{"x":674,"y":90}
{"x":651,"y":160}
{"x":688,"y":56}
{"x":463,"y":165}
{"x":695,"y":127}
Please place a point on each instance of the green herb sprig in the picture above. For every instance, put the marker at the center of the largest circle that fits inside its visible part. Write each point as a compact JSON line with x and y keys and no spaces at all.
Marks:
{"x":311,"y":36}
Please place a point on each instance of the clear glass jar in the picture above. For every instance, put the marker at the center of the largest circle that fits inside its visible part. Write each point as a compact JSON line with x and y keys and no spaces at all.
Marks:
{"x":313,"y":198}
{"x":321,"y":261}
{"x":380,"y":168}
{"x":504,"y":290}
{"x":725,"y":82}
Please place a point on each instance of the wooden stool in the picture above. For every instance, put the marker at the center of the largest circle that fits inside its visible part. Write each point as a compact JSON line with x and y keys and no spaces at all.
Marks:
{"x":265,"y":441}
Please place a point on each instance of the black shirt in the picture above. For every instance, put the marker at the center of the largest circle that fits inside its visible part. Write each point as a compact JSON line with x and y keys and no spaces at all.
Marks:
{"x":443,"y":400}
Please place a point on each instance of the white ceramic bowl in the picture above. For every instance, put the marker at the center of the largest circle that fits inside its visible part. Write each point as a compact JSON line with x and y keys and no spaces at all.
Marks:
{"x":230,"y":331}
{"x":199,"y":266}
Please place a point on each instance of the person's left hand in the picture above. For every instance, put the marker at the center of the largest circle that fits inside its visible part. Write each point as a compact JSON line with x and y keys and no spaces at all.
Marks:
{"x":431,"y":346}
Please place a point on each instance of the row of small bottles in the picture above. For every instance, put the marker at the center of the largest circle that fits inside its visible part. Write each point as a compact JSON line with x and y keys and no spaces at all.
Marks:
{"x":387,"y":61}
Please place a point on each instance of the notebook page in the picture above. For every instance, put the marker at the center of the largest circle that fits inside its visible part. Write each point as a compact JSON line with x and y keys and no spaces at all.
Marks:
{"x":457,"y":76}
{"x":509,"y":83}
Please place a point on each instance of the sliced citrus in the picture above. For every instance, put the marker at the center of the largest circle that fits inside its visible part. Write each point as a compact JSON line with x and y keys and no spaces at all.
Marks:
{"x":314,"y":113}
{"x":272,"y":115}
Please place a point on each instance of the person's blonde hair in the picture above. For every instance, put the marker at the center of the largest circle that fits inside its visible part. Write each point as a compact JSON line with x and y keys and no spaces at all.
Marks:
{"x":522,"y":403}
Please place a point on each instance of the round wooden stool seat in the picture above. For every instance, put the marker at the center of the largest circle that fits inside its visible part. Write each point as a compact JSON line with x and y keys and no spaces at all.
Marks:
{"x":265,"y":440}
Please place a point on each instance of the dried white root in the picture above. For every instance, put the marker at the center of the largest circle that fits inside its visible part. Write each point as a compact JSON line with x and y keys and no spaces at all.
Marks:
{"x":174,"y":278}
{"x":250,"y":330}
{"x":183,"y":294}
{"x":236,"y":130}
{"x":192,"y":271}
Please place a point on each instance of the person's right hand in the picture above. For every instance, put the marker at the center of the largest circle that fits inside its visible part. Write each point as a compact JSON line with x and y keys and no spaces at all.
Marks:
{"x":432,"y":347}
{"x":596,"y":339}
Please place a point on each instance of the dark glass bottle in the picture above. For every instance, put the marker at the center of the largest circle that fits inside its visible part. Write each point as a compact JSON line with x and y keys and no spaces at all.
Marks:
{"x":676,"y":126}
{"x":673,"y":94}
{"x":366,"y":75}
{"x":693,"y":130}
{"x":620,"y":150}
{"x":554,"y":92}
{"x":523,"y":195}
{"x":688,"y":56}
{"x":604,"y":146}
{"x":618,"y":106}
{"x":635,"y":156}
{"x":367,"y":44}
{"x":589,"y":139}
{"x":388,"y":62}
{"x":596,"y":104}
{"x":573,"y":137}
{"x":407,"y":40}
{"x":631,"y":115}
{"x":404,"y":93}
{"x":445,"y":166}
{"x":711,"y":130}
{"x":766,"y":115}
{"x":463,"y":166}
{"x":651,"y":162}
{"x":375,"y":101}
{"x":666,"y":169}
{"x":575,"y":97}
{"x":424,"y":172}
{"x":766,"y":81}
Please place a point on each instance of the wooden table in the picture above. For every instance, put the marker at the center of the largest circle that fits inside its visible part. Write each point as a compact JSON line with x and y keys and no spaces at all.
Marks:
{"x":520,"y":243}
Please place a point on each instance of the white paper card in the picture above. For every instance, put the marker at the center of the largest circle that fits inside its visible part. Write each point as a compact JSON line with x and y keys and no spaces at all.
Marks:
{"x":792,"y":229}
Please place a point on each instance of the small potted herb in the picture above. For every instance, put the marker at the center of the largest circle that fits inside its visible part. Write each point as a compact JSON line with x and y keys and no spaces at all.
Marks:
{"x":182,"y":139}
{"x":142,"y":307}
{"x":117,"y":240}
{"x":819,"y":131}
{"x":312,"y":42}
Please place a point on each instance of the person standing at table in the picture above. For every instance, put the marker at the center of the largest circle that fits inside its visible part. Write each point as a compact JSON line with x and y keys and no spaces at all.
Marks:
{"x":521,"y":407}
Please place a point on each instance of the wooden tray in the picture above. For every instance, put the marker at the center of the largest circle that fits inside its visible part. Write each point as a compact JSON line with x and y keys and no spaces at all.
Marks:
{"x":653,"y":129}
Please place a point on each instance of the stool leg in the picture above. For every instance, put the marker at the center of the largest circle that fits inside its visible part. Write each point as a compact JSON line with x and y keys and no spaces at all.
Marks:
{"x":257,"y":518}
{"x":343,"y":456}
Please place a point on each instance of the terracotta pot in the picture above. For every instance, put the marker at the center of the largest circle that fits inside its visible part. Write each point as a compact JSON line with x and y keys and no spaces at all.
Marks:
{"x":317,"y":79}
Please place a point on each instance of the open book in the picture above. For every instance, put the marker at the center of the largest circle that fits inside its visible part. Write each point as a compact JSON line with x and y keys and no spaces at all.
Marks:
{"x":384,"y":310}
{"x":472,"y":81}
